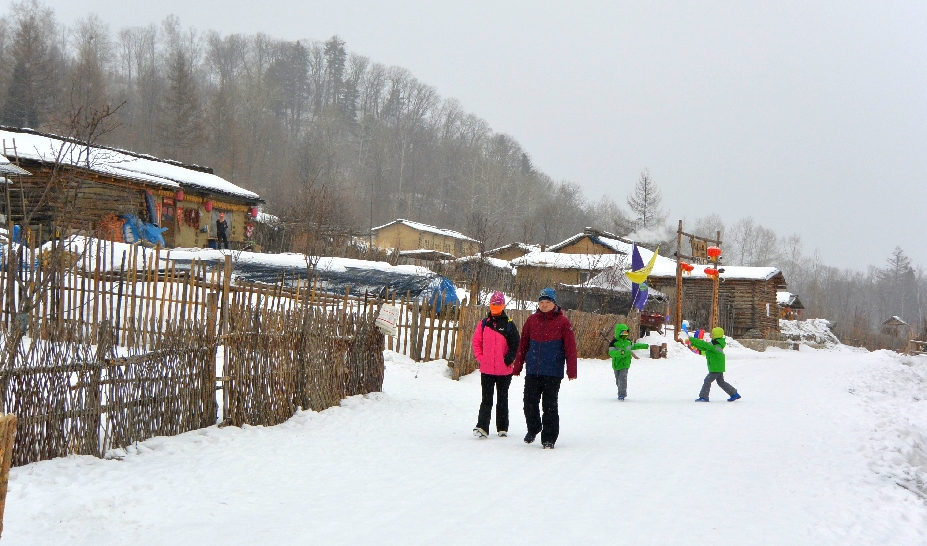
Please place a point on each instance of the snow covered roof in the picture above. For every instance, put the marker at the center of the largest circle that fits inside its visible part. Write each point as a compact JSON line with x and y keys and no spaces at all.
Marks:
{"x":119,"y":163}
{"x":895,"y":321}
{"x":6,"y":167}
{"x":430,"y":229}
{"x":494,"y":262}
{"x":519,"y":246}
{"x":426,"y":254}
{"x":556,"y":260}
{"x":787,"y":299}
{"x":265,"y":218}
{"x":604,"y":238}
{"x":740,"y":272}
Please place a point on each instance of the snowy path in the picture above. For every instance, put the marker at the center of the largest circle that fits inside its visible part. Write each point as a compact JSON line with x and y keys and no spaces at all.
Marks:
{"x":809,"y":456}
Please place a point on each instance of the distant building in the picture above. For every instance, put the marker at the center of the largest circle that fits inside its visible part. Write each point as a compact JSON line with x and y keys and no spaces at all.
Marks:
{"x":512,"y":251}
{"x":406,"y":235}
{"x":579,"y":258}
{"x":895,"y":327}
{"x":790,"y":307}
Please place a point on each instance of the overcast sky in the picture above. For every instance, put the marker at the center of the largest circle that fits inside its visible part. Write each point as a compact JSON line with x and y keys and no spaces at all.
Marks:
{"x":811,"y":117}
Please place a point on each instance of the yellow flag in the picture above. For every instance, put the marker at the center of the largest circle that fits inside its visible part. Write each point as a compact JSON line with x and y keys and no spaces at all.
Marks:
{"x":641,"y":275}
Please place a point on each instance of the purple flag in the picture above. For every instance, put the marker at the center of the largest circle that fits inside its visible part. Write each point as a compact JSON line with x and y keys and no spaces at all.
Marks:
{"x":641,"y":298}
{"x":636,"y":263}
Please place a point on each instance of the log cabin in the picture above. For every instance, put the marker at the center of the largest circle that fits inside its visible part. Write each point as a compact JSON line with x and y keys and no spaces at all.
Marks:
{"x":86,"y":189}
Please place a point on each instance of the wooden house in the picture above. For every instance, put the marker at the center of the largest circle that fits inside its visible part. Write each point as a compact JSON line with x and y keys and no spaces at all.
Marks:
{"x":406,"y":235}
{"x":579,"y":258}
{"x":512,"y":251}
{"x":92,"y":189}
{"x":790,"y":307}
{"x":896,"y":327}
{"x":747,"y":298}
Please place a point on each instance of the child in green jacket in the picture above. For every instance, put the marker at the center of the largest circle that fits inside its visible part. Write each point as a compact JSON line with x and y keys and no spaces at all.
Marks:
{"x":620,"y":351}
{"x":714,"y":352}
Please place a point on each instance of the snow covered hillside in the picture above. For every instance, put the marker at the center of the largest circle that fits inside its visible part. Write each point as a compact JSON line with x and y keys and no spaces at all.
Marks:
{"x":826,"y":447}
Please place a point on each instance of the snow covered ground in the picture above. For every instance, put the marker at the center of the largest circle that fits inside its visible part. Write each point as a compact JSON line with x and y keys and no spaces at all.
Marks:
{"x":826,"y":447}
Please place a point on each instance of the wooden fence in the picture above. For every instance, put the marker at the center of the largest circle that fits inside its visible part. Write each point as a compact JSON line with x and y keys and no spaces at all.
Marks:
{"x":102,"y":348}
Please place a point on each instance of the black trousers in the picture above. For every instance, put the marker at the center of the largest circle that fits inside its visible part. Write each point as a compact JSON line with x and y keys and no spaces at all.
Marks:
{"x":538,"y":387}
{"x":501,"y":385}
{"x":222,"y":241}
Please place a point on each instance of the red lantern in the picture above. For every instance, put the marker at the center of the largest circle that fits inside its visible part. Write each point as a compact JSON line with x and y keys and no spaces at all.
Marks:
{"x":208,"y":206}
{"x":689,"y":268}
{"x":714,"y":252}
{"x":254,"y":212}
{"x":711,"y":272}
{"x":179,"y":195}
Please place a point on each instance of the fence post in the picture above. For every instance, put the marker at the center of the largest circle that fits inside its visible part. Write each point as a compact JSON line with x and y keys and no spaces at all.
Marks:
{"x":413,"y":335}
{"x":7,"y":437}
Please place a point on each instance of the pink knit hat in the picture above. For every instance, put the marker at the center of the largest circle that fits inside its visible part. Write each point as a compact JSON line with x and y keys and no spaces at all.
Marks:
{"x":498,"y":298}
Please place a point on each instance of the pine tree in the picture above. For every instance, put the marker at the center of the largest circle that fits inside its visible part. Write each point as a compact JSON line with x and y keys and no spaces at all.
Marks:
{"x":32,"y":88}
{"x":645,"y":203}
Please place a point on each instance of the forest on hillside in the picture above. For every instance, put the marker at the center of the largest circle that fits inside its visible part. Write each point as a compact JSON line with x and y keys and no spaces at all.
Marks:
{"x":336,"y":141}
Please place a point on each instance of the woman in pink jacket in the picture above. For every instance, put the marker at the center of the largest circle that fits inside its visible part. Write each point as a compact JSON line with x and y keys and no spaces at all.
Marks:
{"x":495,"y":343}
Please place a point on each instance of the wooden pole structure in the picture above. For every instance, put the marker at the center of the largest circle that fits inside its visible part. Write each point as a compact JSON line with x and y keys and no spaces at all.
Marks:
{"x":714,"y":287}
{"x":677,"y":316}
{"x":7,"y":436}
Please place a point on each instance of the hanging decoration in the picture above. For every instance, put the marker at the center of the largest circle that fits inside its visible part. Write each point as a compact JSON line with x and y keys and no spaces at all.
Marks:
{"x":254,"y":212}
{"x":714,"y":253}
{"x":249,"y":230}
{"x":179,"y":195}
{"x":208,"y":206}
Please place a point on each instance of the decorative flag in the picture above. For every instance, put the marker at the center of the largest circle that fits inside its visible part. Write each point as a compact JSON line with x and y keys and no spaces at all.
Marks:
{"x":640,"y":275}
{"x":636,"y":263}
{"x":641,"y":298}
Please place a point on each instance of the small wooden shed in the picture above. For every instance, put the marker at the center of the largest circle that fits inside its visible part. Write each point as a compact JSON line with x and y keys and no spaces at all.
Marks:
{"x":894,"y":326}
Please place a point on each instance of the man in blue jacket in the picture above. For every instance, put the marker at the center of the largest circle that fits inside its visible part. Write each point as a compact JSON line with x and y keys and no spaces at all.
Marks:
{"x":547,"y":344}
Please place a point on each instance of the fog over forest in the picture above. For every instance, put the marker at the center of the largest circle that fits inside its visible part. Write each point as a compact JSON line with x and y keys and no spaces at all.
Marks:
{"x":328,"y":136}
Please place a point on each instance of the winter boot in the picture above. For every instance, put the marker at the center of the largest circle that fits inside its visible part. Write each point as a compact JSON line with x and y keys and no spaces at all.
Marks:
{"x":503,"y":433}
{"x":548,"y":445}
{"x":735,"y":397}
{"x":529,"y":438}
{"x":621,"y":398}
{"x":701,"y":399}
{"x":480,"y":433}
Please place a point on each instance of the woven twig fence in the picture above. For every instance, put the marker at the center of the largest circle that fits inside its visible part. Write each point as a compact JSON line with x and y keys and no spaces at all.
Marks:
{"x":71,"y":397}
{"x":278,"y":361}
{"x":592,"y":331}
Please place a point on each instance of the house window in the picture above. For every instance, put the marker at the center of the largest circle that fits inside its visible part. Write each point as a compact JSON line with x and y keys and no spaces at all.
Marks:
{"x":583,"y":276}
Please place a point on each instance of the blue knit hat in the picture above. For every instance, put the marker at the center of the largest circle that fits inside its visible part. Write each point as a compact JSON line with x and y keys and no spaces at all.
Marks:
{"x":548,"y":294}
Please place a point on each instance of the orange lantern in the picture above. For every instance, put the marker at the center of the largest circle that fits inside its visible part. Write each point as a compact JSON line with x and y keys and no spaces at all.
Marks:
{"x":714,"y":252}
